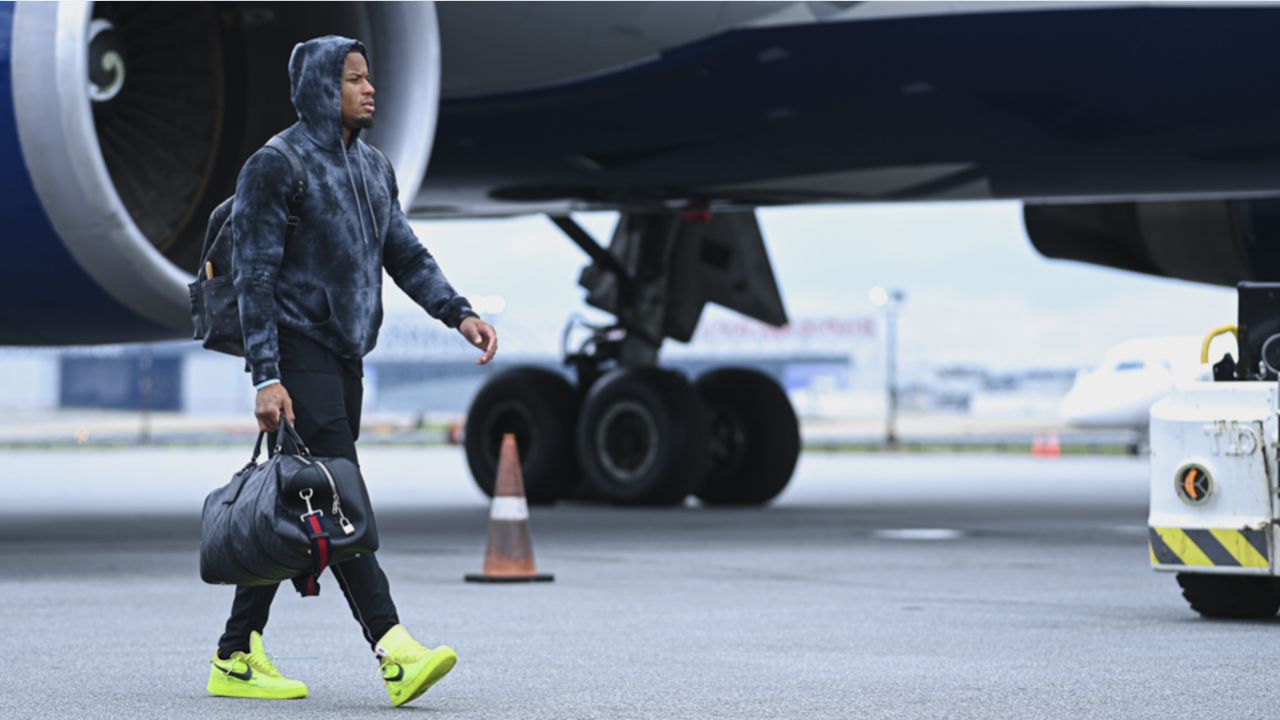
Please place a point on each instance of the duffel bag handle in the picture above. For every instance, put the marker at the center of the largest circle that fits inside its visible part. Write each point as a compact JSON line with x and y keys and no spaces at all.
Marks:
{"x":257,"y":449}
{"x":286,"y":428}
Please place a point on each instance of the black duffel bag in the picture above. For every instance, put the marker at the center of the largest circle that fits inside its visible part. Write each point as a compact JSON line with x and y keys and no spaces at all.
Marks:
{"x":286,"y":519}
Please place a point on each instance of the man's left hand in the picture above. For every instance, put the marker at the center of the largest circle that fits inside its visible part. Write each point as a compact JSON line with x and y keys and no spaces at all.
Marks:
{"x":482,"y":335}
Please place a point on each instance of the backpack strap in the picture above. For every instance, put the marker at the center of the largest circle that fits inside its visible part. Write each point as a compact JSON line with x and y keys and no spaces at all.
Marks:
{"x":282,"y":146}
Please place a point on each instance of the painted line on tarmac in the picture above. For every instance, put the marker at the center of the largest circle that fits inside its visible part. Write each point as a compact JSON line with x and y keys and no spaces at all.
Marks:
{"x":923,"y":534}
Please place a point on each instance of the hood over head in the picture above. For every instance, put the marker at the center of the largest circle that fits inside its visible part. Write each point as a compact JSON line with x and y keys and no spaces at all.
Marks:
{"x":315,"y":73}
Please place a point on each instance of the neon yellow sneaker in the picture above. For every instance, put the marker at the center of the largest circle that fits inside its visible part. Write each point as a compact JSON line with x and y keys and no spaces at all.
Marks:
{"x":251,"y":675}
{"x":408,"y":668}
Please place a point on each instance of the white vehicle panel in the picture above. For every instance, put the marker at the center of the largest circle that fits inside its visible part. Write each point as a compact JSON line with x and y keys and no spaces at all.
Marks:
{"x":1230,"y":430}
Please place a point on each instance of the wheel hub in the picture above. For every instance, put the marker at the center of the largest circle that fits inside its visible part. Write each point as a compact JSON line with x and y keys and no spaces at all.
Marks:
{"x":728,"y":439}
{"x":627,"y":440}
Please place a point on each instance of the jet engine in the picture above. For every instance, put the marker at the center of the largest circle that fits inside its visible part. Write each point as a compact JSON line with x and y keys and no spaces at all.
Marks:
{"x":1221,"y":242}
{"x":130,"y":122}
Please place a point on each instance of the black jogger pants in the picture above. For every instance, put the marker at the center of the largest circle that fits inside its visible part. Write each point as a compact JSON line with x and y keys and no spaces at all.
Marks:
{"x":326,"y":403}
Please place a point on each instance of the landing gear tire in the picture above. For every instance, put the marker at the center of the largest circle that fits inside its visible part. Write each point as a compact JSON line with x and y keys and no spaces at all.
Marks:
{"x":1239,"y":597}
{"x":540,"y":407}
{"x":643,"y":437}
{"x":755,"y":437}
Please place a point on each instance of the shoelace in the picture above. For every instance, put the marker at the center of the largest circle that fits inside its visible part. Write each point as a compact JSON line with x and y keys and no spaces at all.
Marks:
{"x":263,"y":664}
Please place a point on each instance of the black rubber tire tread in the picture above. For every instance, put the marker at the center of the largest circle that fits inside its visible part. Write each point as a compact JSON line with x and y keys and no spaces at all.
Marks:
{"x":547,"y":462}
{"x":1237,"y":597}
{"x":683,"y":453}
{"x":772,"y":437}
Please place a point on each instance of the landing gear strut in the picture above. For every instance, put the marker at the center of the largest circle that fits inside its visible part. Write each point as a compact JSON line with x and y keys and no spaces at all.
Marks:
{"x":631,"y":432}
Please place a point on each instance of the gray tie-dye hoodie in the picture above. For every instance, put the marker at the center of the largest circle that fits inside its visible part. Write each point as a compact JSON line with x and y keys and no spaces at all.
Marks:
{"x":326,"y":281}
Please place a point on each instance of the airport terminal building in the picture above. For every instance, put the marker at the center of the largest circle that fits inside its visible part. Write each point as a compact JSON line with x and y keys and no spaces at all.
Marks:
{"x":422,"y":368}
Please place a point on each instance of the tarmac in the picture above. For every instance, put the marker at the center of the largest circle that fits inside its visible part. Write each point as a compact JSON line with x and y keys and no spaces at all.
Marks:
{"x":878,"y":586}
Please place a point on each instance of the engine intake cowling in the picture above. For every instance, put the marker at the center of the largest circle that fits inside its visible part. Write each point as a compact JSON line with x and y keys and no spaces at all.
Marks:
{"x":134,"y":119}
{"x":1221,"y":242}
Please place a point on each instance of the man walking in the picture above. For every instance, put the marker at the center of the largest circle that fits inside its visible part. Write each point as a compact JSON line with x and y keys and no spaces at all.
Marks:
{"x":311,"y":308}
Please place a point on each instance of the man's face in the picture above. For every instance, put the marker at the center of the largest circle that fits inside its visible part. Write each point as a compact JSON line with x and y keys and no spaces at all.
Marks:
{"x":357,"y":93}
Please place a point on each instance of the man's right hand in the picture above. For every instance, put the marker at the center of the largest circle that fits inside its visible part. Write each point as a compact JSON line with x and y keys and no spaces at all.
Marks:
{"x":272,"y":401}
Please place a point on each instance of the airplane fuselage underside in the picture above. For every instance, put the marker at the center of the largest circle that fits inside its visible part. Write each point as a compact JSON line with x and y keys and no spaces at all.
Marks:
{"x":1093,"y":102}
{"x":638,"y":107}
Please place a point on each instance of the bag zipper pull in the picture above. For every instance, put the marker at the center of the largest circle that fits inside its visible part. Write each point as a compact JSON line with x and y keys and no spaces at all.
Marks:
{"x":343,"y":522}
{"x":305,"y":494}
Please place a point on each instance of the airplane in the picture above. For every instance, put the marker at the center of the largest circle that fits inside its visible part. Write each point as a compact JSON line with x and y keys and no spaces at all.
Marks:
{"x":1118,"y":393}
{"x":1138,"y":135}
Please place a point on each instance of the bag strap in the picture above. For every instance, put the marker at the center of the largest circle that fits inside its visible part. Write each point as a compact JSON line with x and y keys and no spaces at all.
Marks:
{"x":253,"y":462}
{"x":282,"y":146}
{"x":257,"y":448}
{"x":293,"y":205}
{"x":211,"y":238}
{"x":285,"y":429}
{"x":309,"y":585}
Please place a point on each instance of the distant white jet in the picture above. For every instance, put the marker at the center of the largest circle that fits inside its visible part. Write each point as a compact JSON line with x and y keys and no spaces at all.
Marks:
{"x":1132,"y":376}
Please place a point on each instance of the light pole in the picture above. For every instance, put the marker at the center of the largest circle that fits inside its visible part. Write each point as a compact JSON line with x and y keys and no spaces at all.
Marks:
{"x":145,"y":388}
{"x":890,"y":301}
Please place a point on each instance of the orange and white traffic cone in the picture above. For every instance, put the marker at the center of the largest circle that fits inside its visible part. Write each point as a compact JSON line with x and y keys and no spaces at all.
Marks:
{"x":1037,"y":445}
{"x":1053,"y":446}
{"x":509,"y":555}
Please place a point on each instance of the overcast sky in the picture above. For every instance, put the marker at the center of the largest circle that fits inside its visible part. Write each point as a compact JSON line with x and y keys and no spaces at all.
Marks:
{"x":976,"y":290}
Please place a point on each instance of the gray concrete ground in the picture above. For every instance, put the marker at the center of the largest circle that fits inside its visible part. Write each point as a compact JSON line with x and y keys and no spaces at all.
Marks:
{"x":878,"y":587}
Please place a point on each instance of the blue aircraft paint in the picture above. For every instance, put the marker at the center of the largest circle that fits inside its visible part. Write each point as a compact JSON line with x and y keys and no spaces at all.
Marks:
{"x":46,"y":298}
{"x":1043,"y":104}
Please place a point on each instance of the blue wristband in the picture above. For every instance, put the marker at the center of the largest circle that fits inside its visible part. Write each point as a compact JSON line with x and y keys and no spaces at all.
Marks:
{"x":267,"y":383}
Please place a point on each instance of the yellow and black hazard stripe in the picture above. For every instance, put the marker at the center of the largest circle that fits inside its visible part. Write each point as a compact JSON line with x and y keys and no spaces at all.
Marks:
{"x":1212,"y":547}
